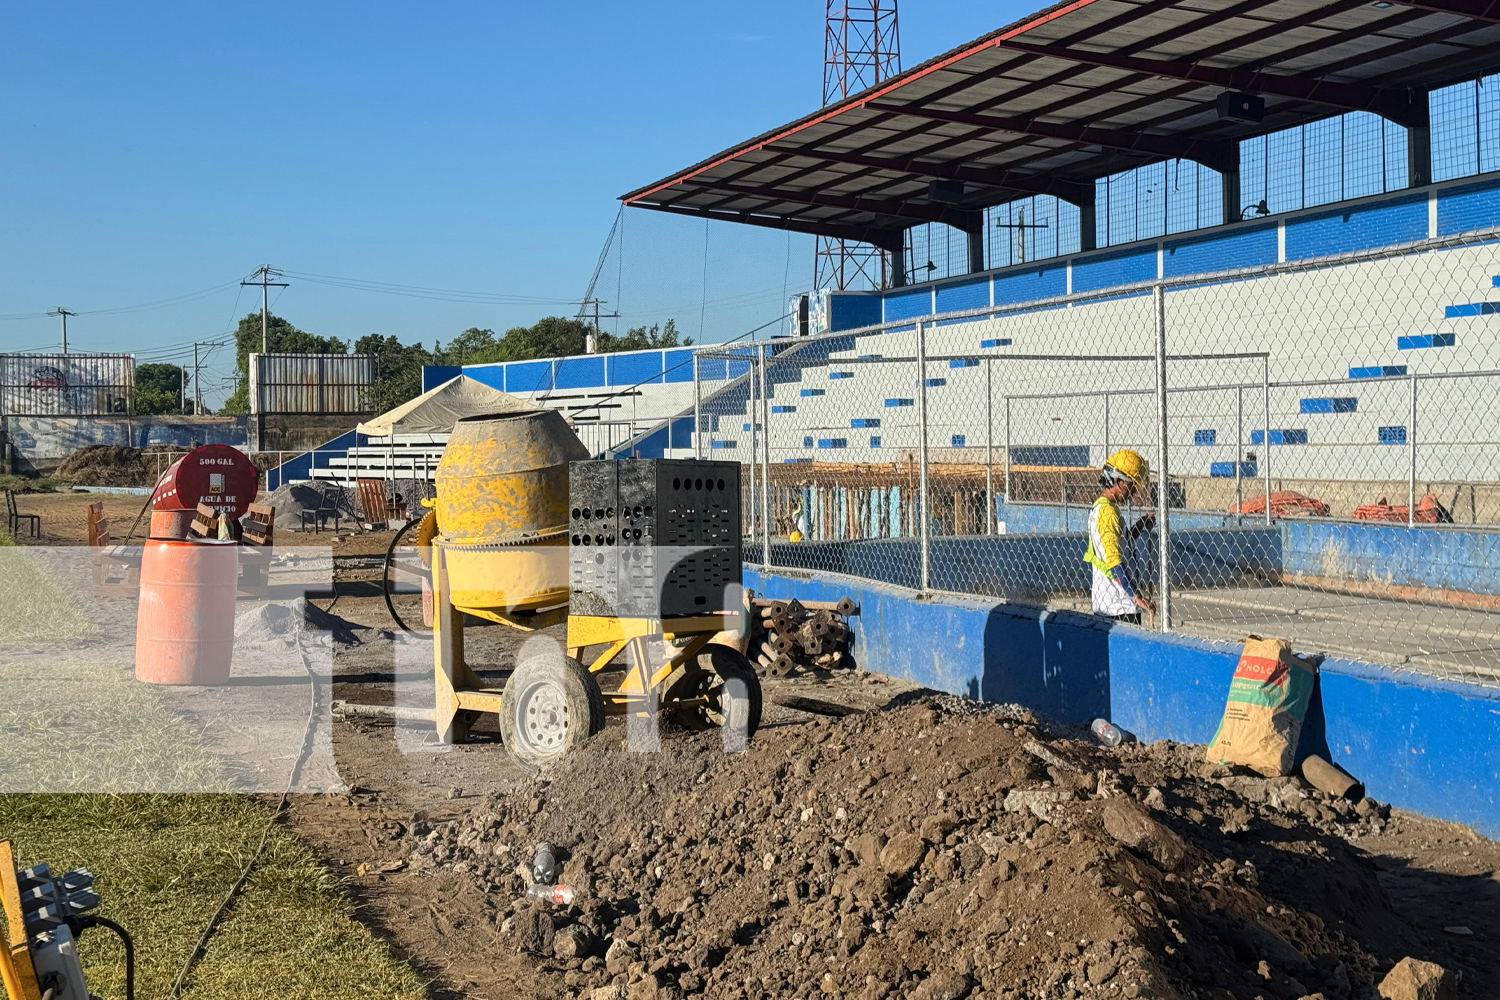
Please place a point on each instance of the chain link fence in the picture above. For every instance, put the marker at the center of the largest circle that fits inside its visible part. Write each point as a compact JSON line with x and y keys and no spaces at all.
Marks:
{"x":1321,"y":438}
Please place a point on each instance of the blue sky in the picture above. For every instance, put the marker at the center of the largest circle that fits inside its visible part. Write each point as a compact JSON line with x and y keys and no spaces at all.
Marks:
{"x":155,"y":150}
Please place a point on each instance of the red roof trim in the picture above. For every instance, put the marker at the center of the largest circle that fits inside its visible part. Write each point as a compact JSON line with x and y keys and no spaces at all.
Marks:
{"x":901,"y":79}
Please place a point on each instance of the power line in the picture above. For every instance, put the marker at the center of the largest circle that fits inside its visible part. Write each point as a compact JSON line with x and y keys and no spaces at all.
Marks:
{"x":421,"y":292}
{"x":139,"y":307}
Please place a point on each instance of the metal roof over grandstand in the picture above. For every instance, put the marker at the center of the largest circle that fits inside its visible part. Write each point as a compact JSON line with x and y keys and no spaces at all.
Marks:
{"x":1081,"y":90}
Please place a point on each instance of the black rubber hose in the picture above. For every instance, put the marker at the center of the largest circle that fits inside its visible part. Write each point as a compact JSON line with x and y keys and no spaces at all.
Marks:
{"x":93,"y":920}
{"x":385,"y":580}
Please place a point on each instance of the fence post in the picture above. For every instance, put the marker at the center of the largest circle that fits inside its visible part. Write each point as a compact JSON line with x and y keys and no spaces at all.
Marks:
{"x":1163,"y":492}
{"x":1239,"y":451}
{"x":765,"y":467}
{"x":1265,"y":434}
{"x":1411,"y":458}
{"x":1007,"y":450}
{"x":697,"y":412}
{"x":922,"y":498}
{"x":1106,"y":428}
{"x":749,"y":510}
{"x":989,"y":447}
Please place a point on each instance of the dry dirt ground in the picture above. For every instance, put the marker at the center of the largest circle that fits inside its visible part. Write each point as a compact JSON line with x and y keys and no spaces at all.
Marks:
{"x":765,"y":874}
{"x":64,"y":522}
{"x":922,"y":847}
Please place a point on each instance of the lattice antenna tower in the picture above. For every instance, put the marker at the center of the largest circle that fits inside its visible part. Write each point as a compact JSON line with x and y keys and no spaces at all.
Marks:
{"x":861,"y":47}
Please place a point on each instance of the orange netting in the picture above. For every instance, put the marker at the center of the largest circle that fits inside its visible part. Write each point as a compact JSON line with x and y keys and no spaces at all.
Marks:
{"x":1429,"y":511}
{"x":1284,"y":503}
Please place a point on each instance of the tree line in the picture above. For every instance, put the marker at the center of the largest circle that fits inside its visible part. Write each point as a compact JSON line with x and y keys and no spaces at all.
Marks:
{"x":398,"y":366}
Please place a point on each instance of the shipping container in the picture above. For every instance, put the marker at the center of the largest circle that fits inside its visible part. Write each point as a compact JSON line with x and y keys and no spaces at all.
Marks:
{"x":74,"y":385}
{"x":311,"y":383}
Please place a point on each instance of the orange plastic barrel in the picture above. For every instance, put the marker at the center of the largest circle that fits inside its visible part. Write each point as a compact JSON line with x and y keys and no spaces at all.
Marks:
{"x":184,"y":631}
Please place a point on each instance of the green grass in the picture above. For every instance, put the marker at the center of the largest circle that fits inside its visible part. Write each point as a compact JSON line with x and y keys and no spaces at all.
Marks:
{"x":89,"y":726}
{"x":33,"y":484}
{"x":34,"y":607}
{"x":165,"y":861}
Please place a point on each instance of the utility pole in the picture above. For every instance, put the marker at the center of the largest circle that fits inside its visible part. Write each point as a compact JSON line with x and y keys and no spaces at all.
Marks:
{"x":262,"y":276}
{"x":592,"y":344}
{"x":197,"y":383}
{"x":64,"y":313}
{"x":1020,"y":227}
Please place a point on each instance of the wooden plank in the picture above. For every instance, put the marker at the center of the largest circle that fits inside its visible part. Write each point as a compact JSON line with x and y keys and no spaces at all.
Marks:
{"x":373,"y":504}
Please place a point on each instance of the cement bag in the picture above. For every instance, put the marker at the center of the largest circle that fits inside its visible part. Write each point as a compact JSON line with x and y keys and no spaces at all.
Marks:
{"x":1268,"y":700}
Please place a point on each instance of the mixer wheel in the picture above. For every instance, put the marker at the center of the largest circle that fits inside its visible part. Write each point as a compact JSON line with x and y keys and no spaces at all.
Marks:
{"x":726,"y":681}
{"x":551,"y":704}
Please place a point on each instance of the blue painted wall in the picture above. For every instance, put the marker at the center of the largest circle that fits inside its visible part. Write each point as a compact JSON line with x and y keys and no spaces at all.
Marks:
{"x":849,"y":311}
{"x":642,"y":368}
{"x":1035,"y":283}
{"x":1464,"y":209}
{"x":490,"y":375}
{"x":580,"y":373}
{"x":1358,"y":228}
{"x":1220,"y":252}
{"x":904,"y":305}
{"x":300,"y":468}
{"x":589,"y":371}
{"x":1429,"y":556}
{"x":969,"y":295}
{"x":435,"y":375}
{"x":677,"y":365}
{"x":1114,"y":269}
{"x":1417,"y":742}
{"x":528,"y":376}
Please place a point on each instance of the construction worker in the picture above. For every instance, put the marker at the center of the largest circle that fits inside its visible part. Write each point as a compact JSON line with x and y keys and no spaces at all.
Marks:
{"x":799,"y":521}
{"x":1115,"y":593}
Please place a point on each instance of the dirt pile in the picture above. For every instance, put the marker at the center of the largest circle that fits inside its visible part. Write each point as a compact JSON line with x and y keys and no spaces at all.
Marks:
{"x":117,"y":465}
{"x":106,"y":465}
{"x":939,"y":850}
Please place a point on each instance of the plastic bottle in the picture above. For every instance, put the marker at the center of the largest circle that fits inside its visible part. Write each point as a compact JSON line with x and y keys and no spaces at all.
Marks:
{"x":562,"y":895}
{"x":544,"y":863}
{"x":1107,"y":732}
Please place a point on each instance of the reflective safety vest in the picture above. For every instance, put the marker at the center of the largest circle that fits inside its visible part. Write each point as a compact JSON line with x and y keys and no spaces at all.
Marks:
{"x":1105,"y":528}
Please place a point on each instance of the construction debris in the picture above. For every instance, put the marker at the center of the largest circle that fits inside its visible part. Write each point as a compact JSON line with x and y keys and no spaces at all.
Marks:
{"x":1413,"y":979}
{"x":1330,"y":778}
{"x":788,"y":636}
{"x":930,"y":851}
{"x":1430,"y":510}
{"x":1284,"y":503}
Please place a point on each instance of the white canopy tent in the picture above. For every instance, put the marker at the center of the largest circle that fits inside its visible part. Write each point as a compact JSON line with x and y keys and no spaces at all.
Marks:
{"x":438,"y":409}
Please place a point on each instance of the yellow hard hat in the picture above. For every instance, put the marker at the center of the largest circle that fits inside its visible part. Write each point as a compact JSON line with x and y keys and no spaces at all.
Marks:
{"x":795,"y":536}
{"x":1127,"y":464}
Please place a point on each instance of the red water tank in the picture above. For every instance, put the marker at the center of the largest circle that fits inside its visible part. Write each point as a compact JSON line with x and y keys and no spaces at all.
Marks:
{"x":215,"y":474}
{"x":184,"y":632}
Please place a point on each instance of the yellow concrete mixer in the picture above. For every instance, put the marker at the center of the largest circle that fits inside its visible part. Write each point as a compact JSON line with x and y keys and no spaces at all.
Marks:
{"x":644,"y":552}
